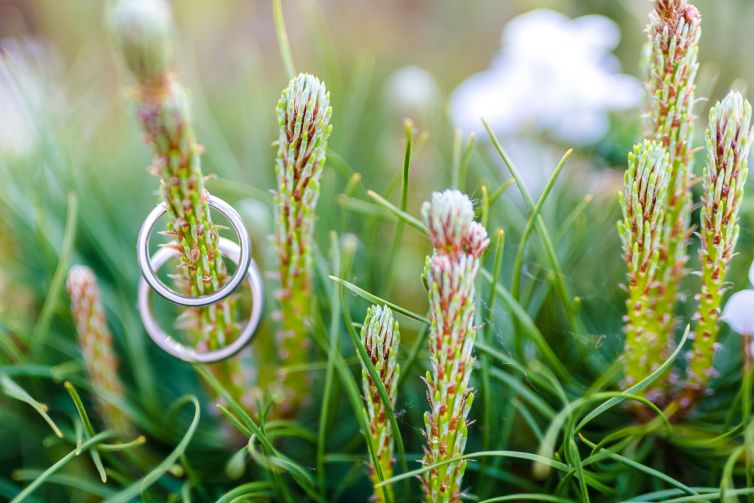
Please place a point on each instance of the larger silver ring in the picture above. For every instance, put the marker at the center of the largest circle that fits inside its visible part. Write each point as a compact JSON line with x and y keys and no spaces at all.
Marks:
{"x":175,"y":348}
{"x":148,"y":269}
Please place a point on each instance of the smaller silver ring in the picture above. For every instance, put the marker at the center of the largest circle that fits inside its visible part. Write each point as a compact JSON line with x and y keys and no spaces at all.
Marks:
{"x":148,"y":269}
{"x":175,"y":348}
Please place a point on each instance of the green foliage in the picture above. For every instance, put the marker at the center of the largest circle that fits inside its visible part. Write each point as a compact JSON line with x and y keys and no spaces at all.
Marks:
{"x":548,"y":423}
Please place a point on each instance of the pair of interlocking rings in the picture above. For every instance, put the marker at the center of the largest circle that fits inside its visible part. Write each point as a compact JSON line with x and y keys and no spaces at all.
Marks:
{"x":246,"y":269}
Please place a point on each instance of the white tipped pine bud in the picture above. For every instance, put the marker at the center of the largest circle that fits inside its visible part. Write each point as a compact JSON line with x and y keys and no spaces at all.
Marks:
{"x":450,"y":274}
{"x":143,"y":30}
{"x":728,"y":144}
{"x":304,"y":118}
{"x":447,"y":217}
{"x":381,"y":337}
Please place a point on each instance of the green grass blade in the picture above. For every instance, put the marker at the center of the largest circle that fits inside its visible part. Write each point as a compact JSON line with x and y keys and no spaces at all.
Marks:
{"x":324,"y":415}
{"x":367,"y":362}
{"x":141,"y":485}
{"x":377,"y":300}
{"x":98,"y":438}
{"x":641,"y":467}
{"x":400,"y":214}
{"x":639,"y":385}
{"x":505,"y":454}
{"x":282,"y":36}
{"x":248,"y":490}
{"x":13,"y":390}
{"x":41,"y":329}
{"x":528,"y":327}
{"x":528,"y":497}
{"x":542,"y":231}
{"x":518,"y":264}
{"x":96,"y":459}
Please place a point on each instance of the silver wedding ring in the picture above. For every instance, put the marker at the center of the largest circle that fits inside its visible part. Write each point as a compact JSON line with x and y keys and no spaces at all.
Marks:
{"x":148,"y":271}
{"x":175,"y":348}
{"x":246,"y":270}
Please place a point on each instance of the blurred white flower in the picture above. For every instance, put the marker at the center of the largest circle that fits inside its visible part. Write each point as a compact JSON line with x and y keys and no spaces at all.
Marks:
{"x":738,"y":312}
{"x":553,"y":75}
{"x":412,"y":92}
{"x":26,"y":70}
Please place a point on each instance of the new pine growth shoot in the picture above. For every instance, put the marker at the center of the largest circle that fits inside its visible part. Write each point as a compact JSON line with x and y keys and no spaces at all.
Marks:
{"x":143,"y":30}
{"x":643,"y":202}
{"x":97,"y":347}
{"x":728,"y":139}
{"x":673,"y":31}
{"x":381,"y":337}
{"x":450,"y":273}
{"x":303,"y":114}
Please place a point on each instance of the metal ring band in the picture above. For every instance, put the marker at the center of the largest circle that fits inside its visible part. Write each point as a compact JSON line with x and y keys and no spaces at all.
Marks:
{"x":148,"y":269}
{"x":175,"y":348}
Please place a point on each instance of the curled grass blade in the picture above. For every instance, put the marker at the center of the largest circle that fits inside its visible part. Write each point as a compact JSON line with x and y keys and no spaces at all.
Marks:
{"x":528,"y":497}
{"x":72,"y":481}
{"x":726,"y":482}
{"x":639,"y":385}
{"x":250,"y":489}
{"x":241,"y":420}
{"x":639,"y":466}
{"x":98,"y":438}
{"x":141,"y":485}
{"x":96,"y":459}
{"x":547,"y":446}
{"x":505,"y":454}
{"x":122,"y":446}
{"x":13,"y":390}
{"x":711,"y":497}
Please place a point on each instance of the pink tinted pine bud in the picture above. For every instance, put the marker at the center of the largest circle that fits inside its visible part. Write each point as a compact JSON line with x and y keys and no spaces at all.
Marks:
{"x":450,"y":274}
{"x":97,"y":347}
